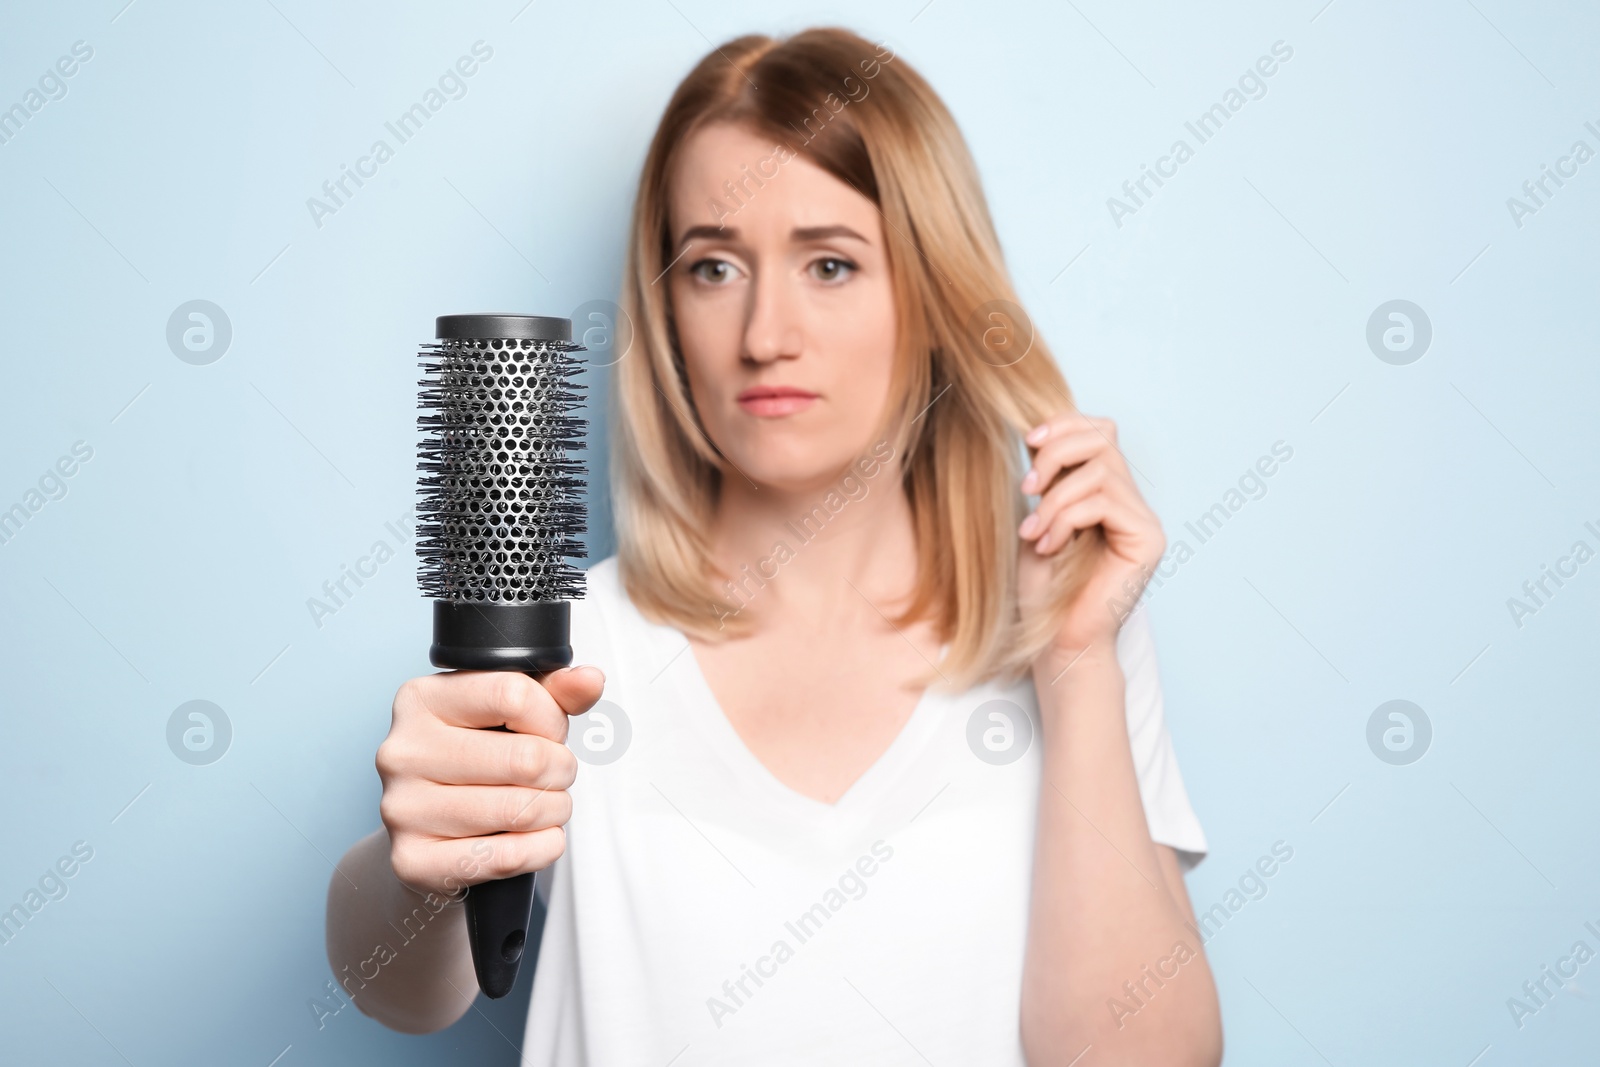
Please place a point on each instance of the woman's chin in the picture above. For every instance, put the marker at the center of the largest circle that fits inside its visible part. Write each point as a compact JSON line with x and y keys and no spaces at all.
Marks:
{"x":790,"y":476}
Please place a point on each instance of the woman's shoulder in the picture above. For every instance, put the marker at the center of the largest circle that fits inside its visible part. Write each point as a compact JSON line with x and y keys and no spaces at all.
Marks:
{"x":606,"y":616}
{"x":603,"y":602}
{"x":603,"y":580}
{"x":597,"y":614}
{"x":609,"y":631}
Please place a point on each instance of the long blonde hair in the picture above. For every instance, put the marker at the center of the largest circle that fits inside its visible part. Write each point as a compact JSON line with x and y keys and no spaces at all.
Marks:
{"x":961,"y":395}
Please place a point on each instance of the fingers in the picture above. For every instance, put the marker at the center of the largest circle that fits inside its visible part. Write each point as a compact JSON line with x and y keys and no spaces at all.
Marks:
{"x":428,"y":865}
{"x":479,"y":699}
{"x":431,"y":810}
{"x":452,"y":756}
{"x":1093,"y":476}
{"x":1086,"y":479}
{"x":1131,"y":528}
{"x":1078,"y":515}
{"x":465,"y":803}
{"x":1066,"y":507}
{"x":1072,"y":421}
{"x":1057,"y":454}
{"x":1096,"y":489}
{"x":1066,"y":446}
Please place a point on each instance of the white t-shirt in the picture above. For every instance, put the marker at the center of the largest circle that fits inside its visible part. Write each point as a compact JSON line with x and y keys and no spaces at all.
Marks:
{"x":706,"y":913}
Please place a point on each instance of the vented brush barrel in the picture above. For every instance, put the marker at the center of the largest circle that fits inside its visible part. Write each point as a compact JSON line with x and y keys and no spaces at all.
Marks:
{"x":501,"y":505}
{"x":502,"y":497}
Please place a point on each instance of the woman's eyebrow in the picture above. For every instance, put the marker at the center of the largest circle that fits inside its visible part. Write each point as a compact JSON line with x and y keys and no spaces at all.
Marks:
{"x":817,"y":233}
{"x":798,"y":234}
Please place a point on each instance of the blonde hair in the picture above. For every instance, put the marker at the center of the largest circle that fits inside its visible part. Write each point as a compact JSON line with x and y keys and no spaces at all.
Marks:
{"x":957,"y":411}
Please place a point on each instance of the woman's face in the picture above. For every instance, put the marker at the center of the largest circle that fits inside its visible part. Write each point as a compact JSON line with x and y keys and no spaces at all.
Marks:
{"x":791,"y":293}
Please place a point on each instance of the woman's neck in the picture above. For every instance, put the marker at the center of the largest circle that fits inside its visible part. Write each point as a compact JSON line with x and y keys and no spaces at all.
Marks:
{"x":818,"y":557}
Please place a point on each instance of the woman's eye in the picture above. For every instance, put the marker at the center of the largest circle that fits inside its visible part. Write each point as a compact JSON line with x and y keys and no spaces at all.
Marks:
{"x":715,"y":271}
{"x":831,"y":269}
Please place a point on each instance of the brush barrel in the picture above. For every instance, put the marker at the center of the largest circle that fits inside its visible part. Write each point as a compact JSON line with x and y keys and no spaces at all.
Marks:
{"x":501,"y":480}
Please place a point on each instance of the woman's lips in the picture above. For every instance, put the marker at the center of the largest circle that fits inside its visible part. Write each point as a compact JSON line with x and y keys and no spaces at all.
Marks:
{"x":772,"y":402}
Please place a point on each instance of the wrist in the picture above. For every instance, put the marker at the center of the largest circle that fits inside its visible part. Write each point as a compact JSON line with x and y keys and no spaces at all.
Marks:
{"x":1092,"y":664}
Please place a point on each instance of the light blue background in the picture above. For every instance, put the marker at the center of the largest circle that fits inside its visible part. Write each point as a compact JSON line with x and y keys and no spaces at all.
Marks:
{"x":1227,"y":314}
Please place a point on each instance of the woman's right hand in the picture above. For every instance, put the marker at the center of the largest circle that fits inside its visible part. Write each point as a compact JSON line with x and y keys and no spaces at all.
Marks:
{"x":464,"y":804}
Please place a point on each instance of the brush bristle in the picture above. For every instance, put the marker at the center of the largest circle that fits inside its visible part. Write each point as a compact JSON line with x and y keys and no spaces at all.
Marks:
{"x":501,"y":491}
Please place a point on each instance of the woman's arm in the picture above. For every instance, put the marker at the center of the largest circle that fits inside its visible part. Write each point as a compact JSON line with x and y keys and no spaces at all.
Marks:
{"x":1115,"y":972}
{"x":401,"y":956}
{"x":462,"y":803}
{"x":1113,"y":961}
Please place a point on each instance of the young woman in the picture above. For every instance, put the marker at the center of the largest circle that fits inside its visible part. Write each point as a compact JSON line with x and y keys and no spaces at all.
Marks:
{"x":882,"y":774}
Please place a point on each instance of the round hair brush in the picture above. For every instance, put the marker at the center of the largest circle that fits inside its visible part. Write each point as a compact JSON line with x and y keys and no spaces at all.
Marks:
{"x":501,"y":505}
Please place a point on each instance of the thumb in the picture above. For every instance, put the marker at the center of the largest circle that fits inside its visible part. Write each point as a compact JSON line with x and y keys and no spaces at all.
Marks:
{"x":575,"y":689}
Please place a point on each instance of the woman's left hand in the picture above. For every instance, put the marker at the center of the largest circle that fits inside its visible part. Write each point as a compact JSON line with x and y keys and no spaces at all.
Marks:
{"x":1097,"y":489}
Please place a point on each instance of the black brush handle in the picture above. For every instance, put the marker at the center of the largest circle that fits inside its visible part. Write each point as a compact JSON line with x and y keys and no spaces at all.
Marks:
{"x":498,"y":916}
{"x":530,"y":637}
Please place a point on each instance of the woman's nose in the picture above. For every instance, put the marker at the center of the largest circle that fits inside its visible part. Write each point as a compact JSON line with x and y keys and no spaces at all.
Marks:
{"x":773,"y":327}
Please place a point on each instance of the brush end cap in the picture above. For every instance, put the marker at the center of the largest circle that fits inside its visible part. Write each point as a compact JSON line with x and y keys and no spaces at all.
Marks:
{"x":502,"y":326}
{"x":532,"y":636}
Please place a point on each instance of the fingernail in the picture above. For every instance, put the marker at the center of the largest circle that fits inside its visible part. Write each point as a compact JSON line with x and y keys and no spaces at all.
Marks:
{"x":1038,"y":433}
{"x":1030,"y":481}
{"x":1029,"y":524}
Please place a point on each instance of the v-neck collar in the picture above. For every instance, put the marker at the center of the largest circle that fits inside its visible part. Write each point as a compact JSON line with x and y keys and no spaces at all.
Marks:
{"x":707,"y":713}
